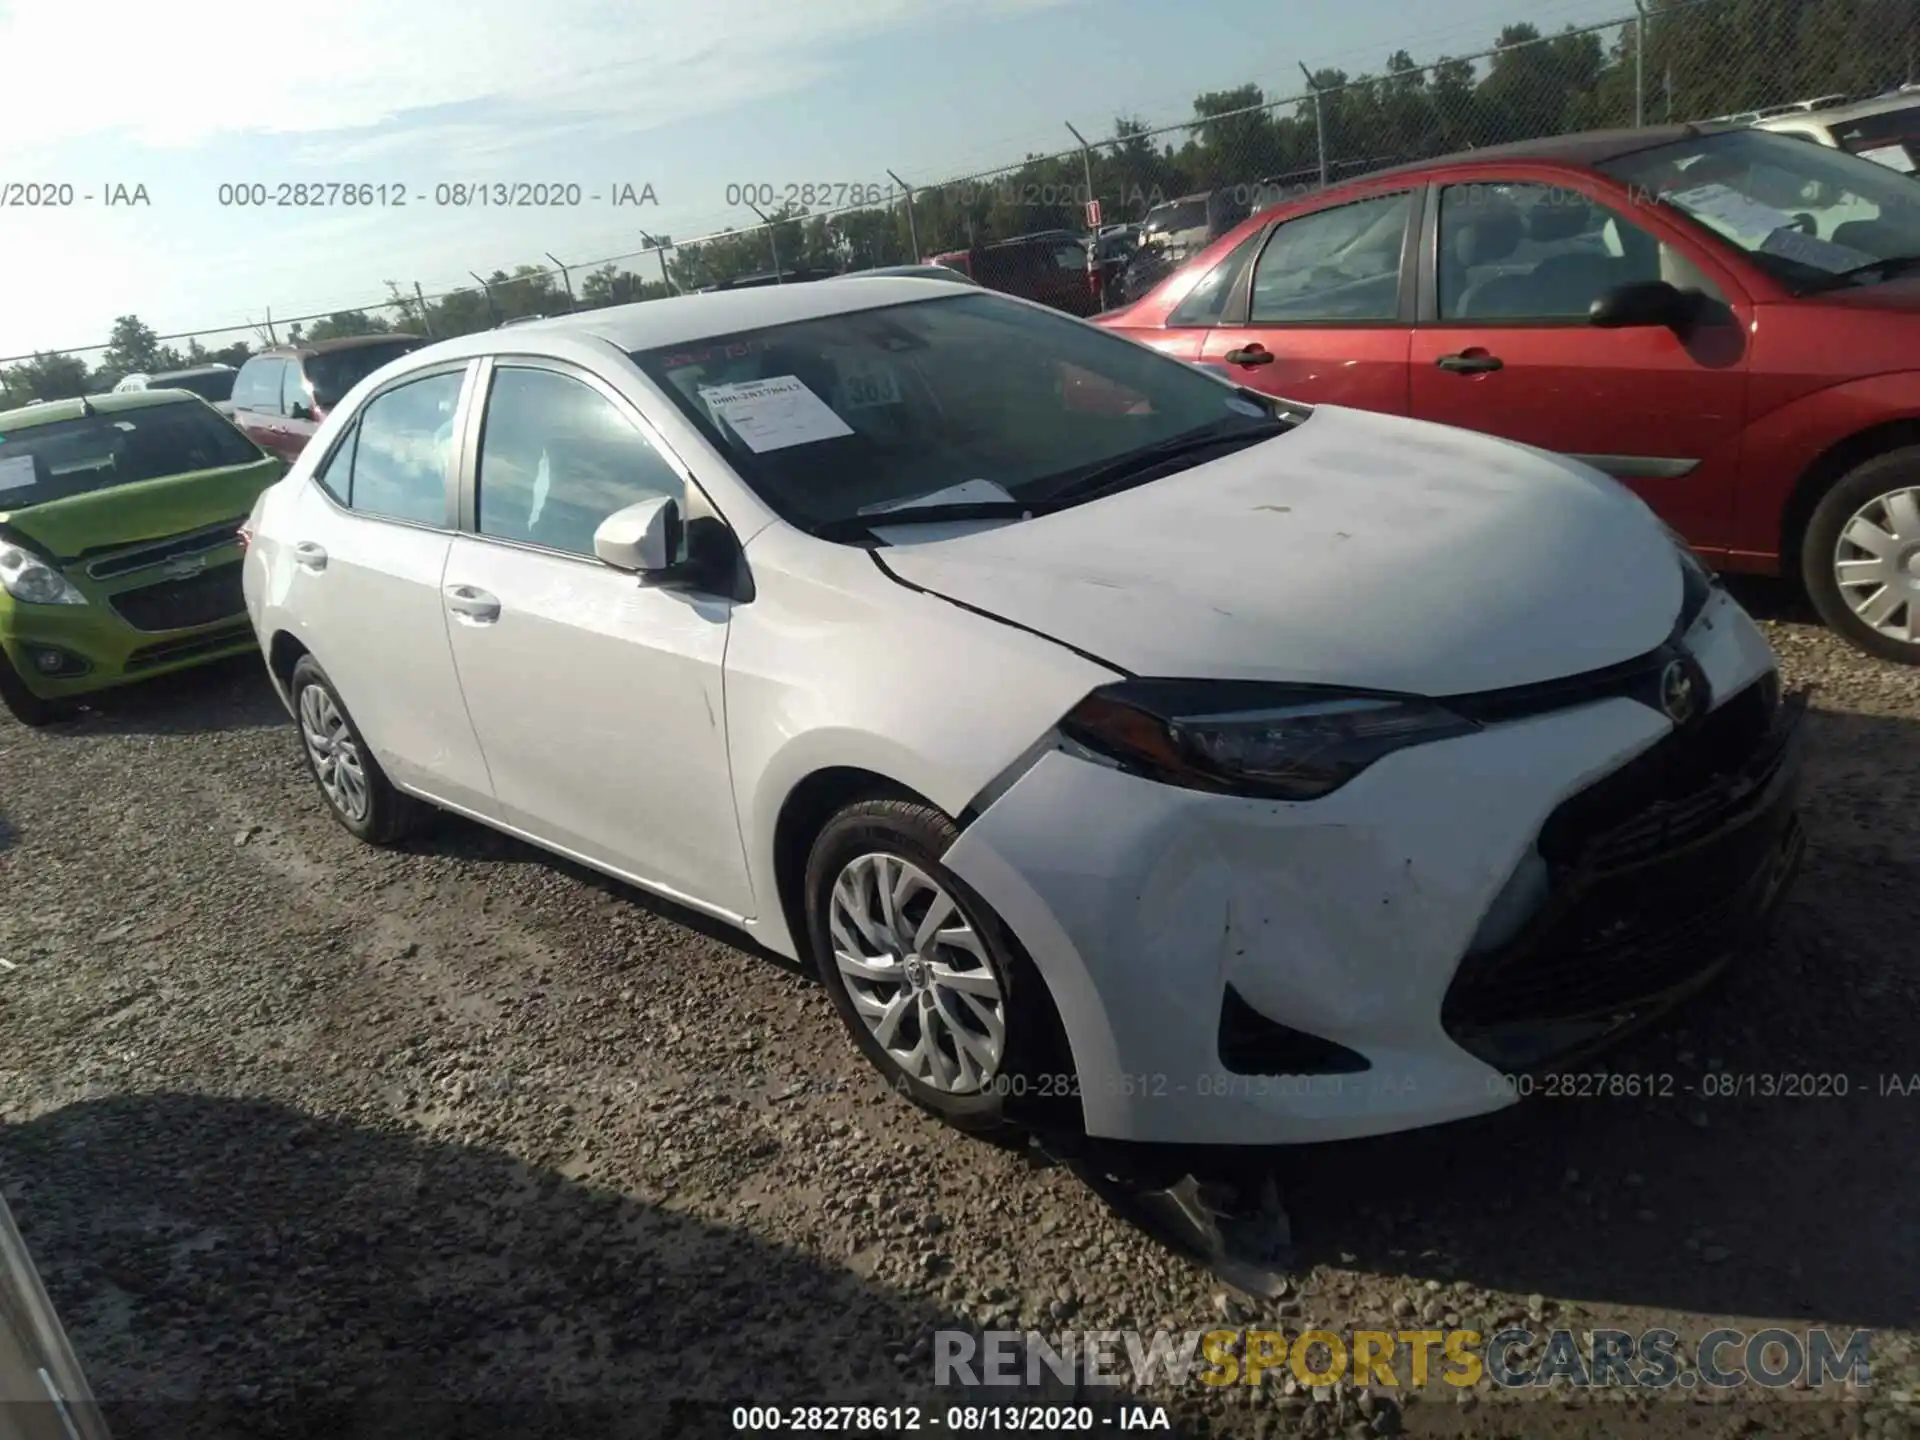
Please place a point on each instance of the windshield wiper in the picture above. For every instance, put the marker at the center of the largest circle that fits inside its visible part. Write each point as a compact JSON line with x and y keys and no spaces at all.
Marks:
{"x":854,"y":527}
{"x":1140,"y":464}
{"x":1886,"y":269}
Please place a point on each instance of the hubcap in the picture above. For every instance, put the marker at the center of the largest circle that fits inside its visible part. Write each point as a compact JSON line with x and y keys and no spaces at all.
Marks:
{"x":335,"y":752}
{"x":1877,"y":564}
{"x":917,"y":973}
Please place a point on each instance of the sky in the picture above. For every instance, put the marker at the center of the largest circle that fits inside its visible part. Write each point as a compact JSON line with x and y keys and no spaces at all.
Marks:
{"x":686,"y":98}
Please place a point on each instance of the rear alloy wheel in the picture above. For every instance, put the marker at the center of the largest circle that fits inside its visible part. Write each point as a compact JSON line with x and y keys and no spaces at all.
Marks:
{"x":936,"y":993}
{"x":355,"y":788}
{"x":1861,"y":558}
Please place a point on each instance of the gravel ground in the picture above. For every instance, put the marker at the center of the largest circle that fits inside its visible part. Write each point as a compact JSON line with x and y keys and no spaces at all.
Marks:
{"x":313,"y":1138}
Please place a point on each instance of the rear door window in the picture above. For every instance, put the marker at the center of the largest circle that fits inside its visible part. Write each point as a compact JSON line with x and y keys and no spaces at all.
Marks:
{"x":257,"y":387}
{"x":293,"y":391}
{"x":403,"y":445}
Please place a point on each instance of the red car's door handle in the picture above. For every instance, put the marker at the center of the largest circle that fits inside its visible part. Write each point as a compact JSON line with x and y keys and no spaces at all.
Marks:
{"x":1470,"y":362}
{"x":1254,"y":354}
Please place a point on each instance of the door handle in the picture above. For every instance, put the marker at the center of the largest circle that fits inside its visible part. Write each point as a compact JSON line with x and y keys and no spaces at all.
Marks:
{"x":1470,"y":362}
{"x":472,"y":605}
{"x":1254,"y":354}
{"x":309,"y":556}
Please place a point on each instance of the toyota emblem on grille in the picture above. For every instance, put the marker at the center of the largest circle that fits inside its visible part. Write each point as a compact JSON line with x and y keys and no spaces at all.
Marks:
{"x":1679,"y":696}
{"x":183,"y":567}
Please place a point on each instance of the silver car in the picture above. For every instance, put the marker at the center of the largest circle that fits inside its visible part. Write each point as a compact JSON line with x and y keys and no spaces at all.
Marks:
{"x":43,"y":1395}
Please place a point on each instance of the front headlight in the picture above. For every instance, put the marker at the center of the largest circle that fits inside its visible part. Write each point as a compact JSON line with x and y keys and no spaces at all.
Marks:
{"x":29,"y":578}
{"x":1279,"y":742}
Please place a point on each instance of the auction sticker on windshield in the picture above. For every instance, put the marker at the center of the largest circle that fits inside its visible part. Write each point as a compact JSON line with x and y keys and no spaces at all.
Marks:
{"x":865,"y":384}
{"x":774,"y":413}
{"x":1811,"y":250}
{"x":1727,"y":209}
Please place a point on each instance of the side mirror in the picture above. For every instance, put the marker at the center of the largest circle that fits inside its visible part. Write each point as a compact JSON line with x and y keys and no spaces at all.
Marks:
{"x":1644,"y":302}
{"x":299,"y":412}
{"x":644,"y":538}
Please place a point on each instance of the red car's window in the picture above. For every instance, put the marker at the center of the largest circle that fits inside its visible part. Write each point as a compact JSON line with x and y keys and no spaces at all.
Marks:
{"x":1334,"y":266}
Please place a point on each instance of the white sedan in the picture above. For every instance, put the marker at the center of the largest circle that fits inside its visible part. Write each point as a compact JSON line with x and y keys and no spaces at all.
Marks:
{"x":1122,"y":747}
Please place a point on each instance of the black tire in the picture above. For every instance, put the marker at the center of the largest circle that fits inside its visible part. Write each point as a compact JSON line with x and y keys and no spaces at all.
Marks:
{"x":1883,"y":474}
{"x":389,"y":815}
{"x":1034,"y":1085}
{"x":25,"y":706}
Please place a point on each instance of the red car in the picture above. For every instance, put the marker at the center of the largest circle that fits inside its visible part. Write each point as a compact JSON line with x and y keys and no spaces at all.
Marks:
{"x":1050,"y":267}
{"x":1725,"y":319}
{"x":281,"y":395}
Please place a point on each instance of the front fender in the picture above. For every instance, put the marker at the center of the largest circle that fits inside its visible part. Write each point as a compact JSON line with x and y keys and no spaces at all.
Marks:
{"x":836,"y":666}
{"x":1778,"y":449}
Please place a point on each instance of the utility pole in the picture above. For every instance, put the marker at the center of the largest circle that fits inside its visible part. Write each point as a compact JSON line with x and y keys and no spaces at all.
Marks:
{"x":661,"y":250}
{"x":913,"y":229}
{"x":426,"y":320}
{"x":1639,"y":64}
{"x":1319,"y":123}
{"x":566,"y":280}
{"x":1086,"y":167}
{"x":493,"y":310}
{"x":773,"y":241}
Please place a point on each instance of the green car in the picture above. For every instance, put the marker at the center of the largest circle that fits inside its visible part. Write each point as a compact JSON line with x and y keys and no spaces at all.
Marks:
{"x":119,"y":546}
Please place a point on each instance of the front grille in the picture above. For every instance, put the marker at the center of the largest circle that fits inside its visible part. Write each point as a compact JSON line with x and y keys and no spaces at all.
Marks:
{"x":182,"y":604}
{"x":194,"y":542}
{"x":167,"y":652}
{"x":1673,"y":789}
{"x":1660,"y":872}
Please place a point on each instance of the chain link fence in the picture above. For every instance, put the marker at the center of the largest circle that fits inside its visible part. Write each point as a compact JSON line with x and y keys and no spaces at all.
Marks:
{"x":1671,"y":60}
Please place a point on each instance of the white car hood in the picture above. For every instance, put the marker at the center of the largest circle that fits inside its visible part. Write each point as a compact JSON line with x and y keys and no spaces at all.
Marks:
{"x":1359,"y":549}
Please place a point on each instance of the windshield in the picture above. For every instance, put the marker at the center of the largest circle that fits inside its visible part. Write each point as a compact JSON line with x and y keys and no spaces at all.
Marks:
{"x":98,"y":452}
{"x":971,"y":398}
{"x":213,"y":385}
{"x":338,"y":371}
{"x":1804,"y":212}
{"x":1891,"y":137}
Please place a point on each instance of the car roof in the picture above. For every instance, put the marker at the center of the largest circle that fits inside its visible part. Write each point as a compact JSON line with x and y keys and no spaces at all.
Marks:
{"x":1583,"y":148}
{"x":673,"y":320}
{"x":327,"y":347}
{"x":46,"y":412}
{"x":1854,"y":110}
{"x":924,"y":272}
{"x":190,"y":370}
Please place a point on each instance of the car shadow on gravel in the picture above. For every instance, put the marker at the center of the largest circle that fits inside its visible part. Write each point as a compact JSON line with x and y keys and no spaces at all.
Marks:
{"x":232,"y":1268}
{"x":1770,"y":1165}
{"x":455,"y":837}
{"x":231,"y":694}
{"x":1771,"y":597}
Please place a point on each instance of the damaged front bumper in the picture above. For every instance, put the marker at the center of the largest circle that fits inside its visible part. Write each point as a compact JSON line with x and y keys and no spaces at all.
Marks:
{"x":1238,"y":971}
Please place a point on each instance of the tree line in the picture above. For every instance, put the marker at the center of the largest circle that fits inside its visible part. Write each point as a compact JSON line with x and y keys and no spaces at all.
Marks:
{"x":1701,"y":58}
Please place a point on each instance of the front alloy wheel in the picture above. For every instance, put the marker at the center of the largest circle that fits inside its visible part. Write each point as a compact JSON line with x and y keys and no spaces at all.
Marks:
{"x":934,"y":989}
{"x":917,"y":973}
